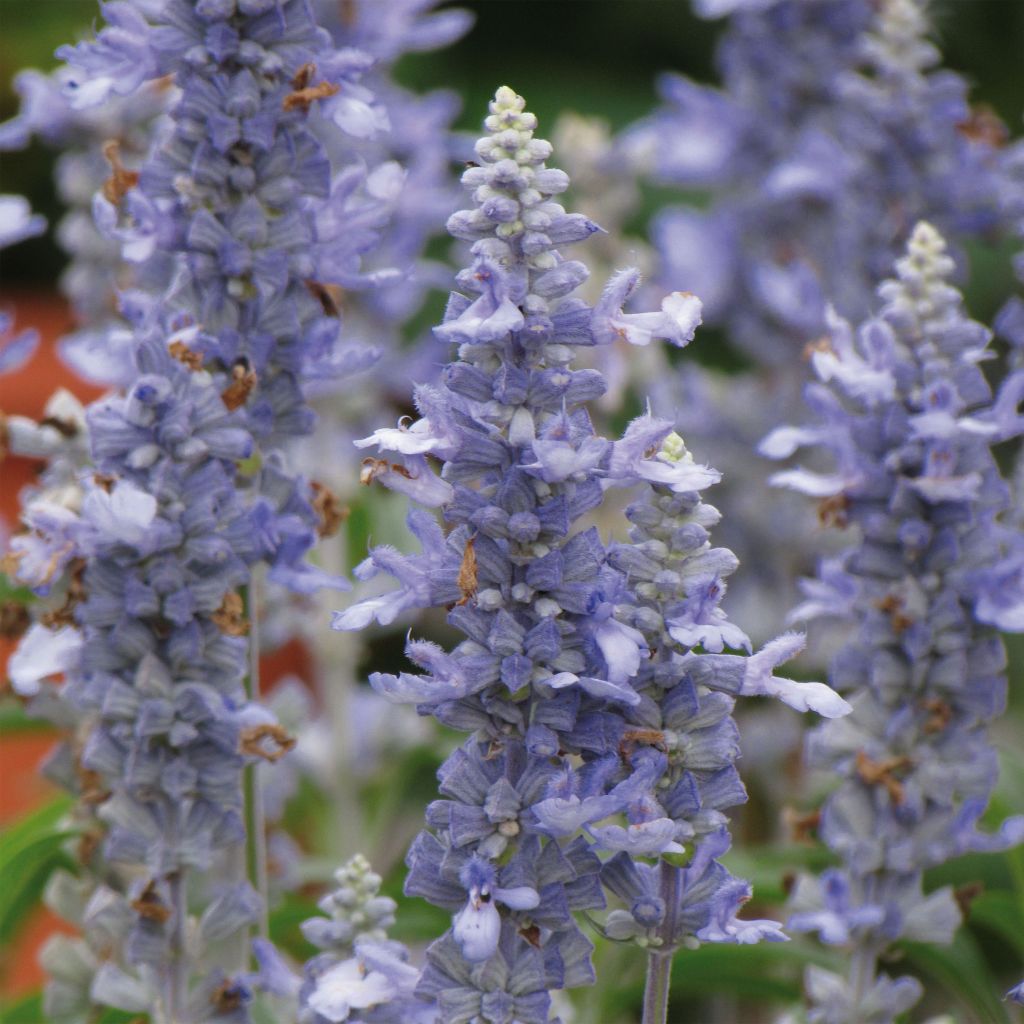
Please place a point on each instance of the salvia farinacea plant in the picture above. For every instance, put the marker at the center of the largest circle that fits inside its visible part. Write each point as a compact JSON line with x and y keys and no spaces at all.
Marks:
{"x":247,"y":191}
{"x":904,"y":410}
{"x":834,"y":130}
{"x":591,"y":679}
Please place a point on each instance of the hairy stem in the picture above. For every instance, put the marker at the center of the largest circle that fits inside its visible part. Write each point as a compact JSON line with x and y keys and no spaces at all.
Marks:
{"x":336,"y":656}
{"x":176,"y":971}
{"x":659,"y":961}
{"x":659,"y":975}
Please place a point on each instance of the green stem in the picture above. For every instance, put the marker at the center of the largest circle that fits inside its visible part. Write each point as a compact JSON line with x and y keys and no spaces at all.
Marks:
{"x":336,"y":656}
{"x":1015,"y":860}
{"x":863,"y":966}
{"x":173,"y":996}
{"x":659,"y":961}
{"x":179,"y":963}
{"x":864,"y":958}
{"x":255,"y":820}
{"x":659,"y":976}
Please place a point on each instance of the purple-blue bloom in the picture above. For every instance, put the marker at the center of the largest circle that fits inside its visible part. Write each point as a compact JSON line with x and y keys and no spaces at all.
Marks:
{"x":557,"y":678}
{"x":251,"y":194}
{"x":521,"y":464}
{"x":17,"y":221}
{"x":833,"y":131}
{"x":100,"y":147}
{"x":833,"y":134}
{"x":909,"y":420}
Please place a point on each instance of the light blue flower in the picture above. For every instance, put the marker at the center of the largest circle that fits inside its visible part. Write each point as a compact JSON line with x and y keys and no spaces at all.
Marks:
{"x":909,"y":419}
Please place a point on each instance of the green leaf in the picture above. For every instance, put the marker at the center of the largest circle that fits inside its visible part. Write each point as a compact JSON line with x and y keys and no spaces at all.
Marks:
{"x":765,"y":867}
{"x":767,"y":971}
{"x":40,"y":822}
{"x":284,"y":923}
{"x":25,"y":1011}
{"x":14,"y":720}
{"x":29,"y":852}
{"x":1000,"y":912}
{"x":110,"y":1016}
{"x":417,"y":921}
{"x":961,"y":970}
{"x":11,"y":591}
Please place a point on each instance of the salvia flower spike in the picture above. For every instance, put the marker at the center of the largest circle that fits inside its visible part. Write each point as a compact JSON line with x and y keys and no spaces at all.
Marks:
{"x":909,"y":420}
{"x":551,"y":678}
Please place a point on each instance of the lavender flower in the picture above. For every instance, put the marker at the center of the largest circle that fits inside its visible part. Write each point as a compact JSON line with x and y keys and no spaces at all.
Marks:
{"x":360,"y":975}
{"x":17,"y":221}
{"x":245,"y":188}
{"x":95,"y":143}
{"x":189,"y":491}
{"x":909,"y":420}
{"x":154,"y":672}
{"x":508,"y":417}
{"x":604,"y":189}
{"x":679,"y":737}
{"x":834,"y":131}
{"x":1009,"y":322}
{"x":414,"y":157}
{"x":833,"y":134}
{"x":549,"y":677}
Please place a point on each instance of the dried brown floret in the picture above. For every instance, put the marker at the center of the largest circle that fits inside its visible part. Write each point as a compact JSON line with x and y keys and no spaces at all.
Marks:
{"x":230,"y":616}
{"x":328,"y":509}
{"x":268,"y":740}
{"x":883,"y":773}
{"x":467,"y":578}
{"x":243,"y":382}
{"x":121,"y":179}
{"x":150,"y":906}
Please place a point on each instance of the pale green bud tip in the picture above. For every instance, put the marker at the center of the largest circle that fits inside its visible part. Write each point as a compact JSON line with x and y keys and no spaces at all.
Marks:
{"x":927,"y":259}
{"x":508,"y":110}
{"x":925,"y":239}
{"x":506,"y":99}
{"x":673,"y":449}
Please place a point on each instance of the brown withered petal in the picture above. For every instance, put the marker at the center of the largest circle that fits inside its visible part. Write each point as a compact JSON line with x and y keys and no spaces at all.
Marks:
{"x":329,"y":510}
{"x":832,"y":511}
{"x":631,"y":737}
{"x":329,"y":297}
{"x":301,"y":99}
{"x":269,"y":741}
{"x":180,"y":351}
{"x":14,"y":619}
{"x":227,"y":996}
{"x":230,"y":618}
{"x":150,"y":906}
{"x":243,"y":382}
{"x":467,"y":578}
{"x":881,"y":773}
{"x":802,"y":824}
{"x":121,"y":179}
